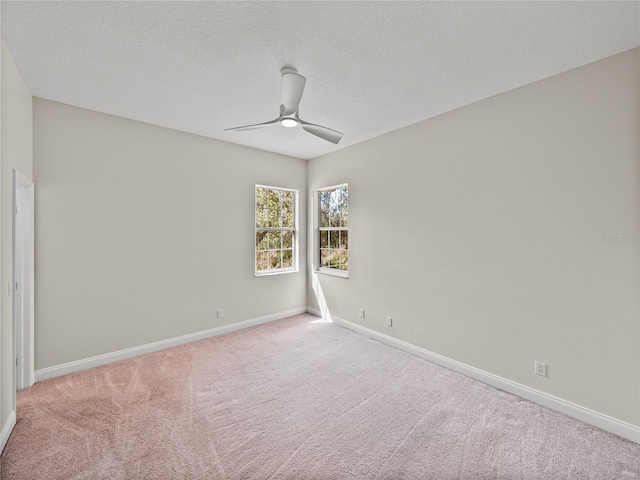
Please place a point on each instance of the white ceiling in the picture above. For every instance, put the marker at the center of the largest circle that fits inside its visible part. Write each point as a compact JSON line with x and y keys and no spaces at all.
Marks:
{"x":371,"y":67}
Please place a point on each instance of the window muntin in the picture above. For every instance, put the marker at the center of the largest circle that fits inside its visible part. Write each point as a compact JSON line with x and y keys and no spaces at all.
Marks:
{"x":276,"y":230}
{"x":333,"y":229}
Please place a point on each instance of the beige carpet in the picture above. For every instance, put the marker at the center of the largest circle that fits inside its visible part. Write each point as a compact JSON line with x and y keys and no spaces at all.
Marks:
{"x":295,"y":399}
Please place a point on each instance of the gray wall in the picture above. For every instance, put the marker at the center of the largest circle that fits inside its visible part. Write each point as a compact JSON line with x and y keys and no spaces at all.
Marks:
{"x":481,"y":231}
{"x":143,"y":232}
{"x":17,"y":153}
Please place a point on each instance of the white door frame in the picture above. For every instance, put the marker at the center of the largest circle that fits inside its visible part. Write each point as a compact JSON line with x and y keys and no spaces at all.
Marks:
{"x":23,"y":281}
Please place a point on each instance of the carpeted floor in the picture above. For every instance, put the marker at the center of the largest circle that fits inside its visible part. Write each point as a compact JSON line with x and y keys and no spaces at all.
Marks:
{"x":294,"y":399}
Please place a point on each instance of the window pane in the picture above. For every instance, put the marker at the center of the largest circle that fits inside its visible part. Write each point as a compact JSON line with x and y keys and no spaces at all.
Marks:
{"x":275,"y":258}
{"x":287,"y":209}
{"x":343,"y":259}
{"x":273,"y":198}
{"x":325,"y":200}
{"x":324,"y":209}
{"x":327,"y":257}
{"x":333,"y":259}
{"x":287,"y":218}
{"x":333,"y":199}
{"x":262,"y":241}
{"x":324,"y":239}
{"x":275,"y":240}
{"x":334,"y":238}
{"x":261,"y":198}
{"x":287,"y":239}
{"x":344,"y":239}
{"x":262,"y":260}
{"x":287,"y":258}
{"x":324,"y":218}
{"x":274,"y":219}
{"x":334,"y":219}
{"x":262,"y":218}
{"x":324,"y":257}
{"x":344,"y":192}
{"x":334,"y":216}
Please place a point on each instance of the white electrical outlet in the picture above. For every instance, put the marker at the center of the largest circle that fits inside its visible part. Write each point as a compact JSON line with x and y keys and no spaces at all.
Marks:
{"x":362,"y":313}
{"x":220,"y":314}
{"x":388,"y":321}
{"x":541,"y":369}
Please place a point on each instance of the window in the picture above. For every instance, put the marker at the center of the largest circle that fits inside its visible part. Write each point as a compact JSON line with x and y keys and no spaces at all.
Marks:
{"x":333,"y":226}
{"x":276,"y":230}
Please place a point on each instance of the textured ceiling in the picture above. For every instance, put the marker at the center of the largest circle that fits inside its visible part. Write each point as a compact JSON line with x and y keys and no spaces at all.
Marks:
{"x":371,"y":67}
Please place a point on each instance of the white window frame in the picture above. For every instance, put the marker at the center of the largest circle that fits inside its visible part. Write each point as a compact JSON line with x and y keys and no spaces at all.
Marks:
{"x":317,"y":252}
{"x":294,"y":230}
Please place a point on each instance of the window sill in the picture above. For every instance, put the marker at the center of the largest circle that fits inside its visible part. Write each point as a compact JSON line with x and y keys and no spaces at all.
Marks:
{"x":333,"y":272}
{"x":269,"y":273}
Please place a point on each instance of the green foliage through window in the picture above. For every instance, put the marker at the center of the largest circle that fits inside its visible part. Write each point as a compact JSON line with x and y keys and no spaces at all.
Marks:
{"x":275,"y":229}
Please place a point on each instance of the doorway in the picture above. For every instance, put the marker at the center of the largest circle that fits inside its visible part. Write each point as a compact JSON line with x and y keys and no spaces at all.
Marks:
{"x":23,"y":281}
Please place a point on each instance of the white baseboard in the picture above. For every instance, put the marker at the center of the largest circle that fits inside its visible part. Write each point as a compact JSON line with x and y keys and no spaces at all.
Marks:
{"x":7,"y":428}
{"x":76,"y":366}
{"x":610,"y":424}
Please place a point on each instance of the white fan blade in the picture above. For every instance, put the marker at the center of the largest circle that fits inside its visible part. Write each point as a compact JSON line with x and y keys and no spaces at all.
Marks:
{"x":292,"y":88}
{"x":244,"y":128}
{"x":325,"y":133}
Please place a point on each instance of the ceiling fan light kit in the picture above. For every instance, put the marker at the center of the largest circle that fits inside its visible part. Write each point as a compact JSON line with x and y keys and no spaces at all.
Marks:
{"x":292,"y":88}
{"x":289,"y":122}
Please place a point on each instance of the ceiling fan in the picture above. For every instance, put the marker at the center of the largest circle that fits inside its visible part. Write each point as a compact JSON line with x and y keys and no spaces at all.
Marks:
{"x":292,"y":87}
